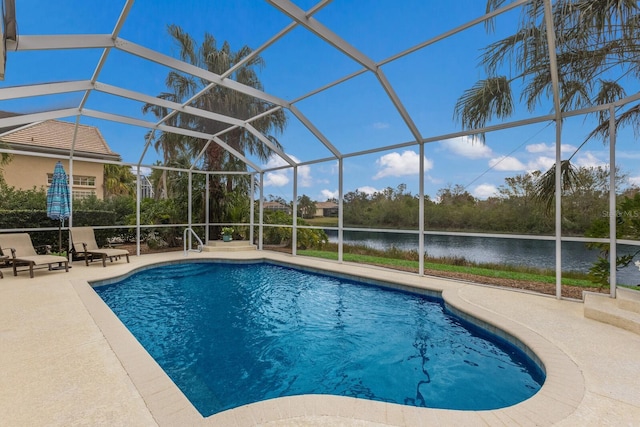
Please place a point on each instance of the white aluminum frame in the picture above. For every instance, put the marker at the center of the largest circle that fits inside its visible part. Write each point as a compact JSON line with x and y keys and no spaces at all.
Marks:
{"x":300,"y":18}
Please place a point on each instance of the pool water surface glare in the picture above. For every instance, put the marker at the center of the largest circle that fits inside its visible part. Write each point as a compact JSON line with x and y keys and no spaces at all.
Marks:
{"x":230,"y":334}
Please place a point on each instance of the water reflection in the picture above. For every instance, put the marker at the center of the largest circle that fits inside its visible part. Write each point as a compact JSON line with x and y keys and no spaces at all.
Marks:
{"x":421,"y":346}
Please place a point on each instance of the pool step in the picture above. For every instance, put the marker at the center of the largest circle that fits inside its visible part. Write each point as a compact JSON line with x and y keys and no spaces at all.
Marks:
{"x":623,"y":311}
{"x":232,"y":246}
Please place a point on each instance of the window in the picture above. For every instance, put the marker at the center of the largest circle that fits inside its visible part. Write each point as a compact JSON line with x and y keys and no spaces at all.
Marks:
{"x":87,"y":181}
{"x":83,"y":194}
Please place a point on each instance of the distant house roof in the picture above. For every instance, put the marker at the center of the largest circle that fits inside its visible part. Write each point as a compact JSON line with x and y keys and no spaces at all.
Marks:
{"x":326,"y":205}
{"x":55,"y":137}
{"x":275,"y":206}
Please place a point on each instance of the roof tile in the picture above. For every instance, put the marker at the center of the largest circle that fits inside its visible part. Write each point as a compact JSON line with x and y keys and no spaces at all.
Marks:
{"x":57,"y":134}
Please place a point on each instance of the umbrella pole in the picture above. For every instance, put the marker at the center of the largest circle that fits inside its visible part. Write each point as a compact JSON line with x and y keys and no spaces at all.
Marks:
{"x":60,"y":266}
{"x":60,"y":236}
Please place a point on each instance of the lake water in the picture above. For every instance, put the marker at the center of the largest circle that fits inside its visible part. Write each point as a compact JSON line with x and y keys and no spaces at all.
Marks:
{"x":535,"y":253}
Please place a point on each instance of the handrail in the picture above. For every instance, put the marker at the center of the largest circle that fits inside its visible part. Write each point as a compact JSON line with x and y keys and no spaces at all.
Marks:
{"x":184,"y":240}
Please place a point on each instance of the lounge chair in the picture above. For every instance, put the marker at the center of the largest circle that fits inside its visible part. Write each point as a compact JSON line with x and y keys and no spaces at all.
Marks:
{"x":23,"y":253}
{"x":84,"y":241}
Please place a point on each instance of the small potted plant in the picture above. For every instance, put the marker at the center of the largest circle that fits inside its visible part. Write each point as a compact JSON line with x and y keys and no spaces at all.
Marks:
{"x":227,"y":232}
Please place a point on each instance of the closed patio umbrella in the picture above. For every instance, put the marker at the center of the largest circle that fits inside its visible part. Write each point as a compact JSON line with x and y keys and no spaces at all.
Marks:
{"x":58,"y":204}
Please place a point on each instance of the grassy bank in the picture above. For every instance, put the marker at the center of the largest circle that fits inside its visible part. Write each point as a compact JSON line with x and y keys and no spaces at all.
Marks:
{"x":408,"y":261}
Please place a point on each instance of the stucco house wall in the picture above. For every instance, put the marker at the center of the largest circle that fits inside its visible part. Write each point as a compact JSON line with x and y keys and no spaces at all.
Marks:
{"x":26,"y":172}
{"x":54,"y":137}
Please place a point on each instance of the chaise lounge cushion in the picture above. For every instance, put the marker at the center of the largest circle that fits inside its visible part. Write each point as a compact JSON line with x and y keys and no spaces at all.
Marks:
{"x":84,"y":241}
{"x":22,"y":252}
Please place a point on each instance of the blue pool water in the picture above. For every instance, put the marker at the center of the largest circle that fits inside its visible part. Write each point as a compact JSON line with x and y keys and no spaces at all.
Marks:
{"x":233,"y":334}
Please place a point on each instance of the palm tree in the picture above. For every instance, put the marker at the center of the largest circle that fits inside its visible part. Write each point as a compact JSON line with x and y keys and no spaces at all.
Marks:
{"x":593,"y":37}
{"x":118,"y":180}
{"x":171,"y":145}
{"x":5,"y":158}
{"x":220,"y":100}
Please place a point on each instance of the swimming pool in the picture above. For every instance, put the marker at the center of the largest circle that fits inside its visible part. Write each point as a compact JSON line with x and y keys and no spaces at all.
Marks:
{"x":231,"y":334}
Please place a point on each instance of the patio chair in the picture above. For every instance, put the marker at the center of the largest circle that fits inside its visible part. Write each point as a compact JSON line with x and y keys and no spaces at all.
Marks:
{"x":84,"y":241}
{"x":23,"y":253}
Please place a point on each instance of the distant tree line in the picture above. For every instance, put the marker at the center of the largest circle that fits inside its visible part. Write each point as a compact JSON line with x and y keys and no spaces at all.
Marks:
{"x":515,"y":209}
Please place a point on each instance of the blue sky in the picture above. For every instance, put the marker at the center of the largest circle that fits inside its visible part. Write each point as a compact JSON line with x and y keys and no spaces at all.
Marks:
{"x":354,"y":116}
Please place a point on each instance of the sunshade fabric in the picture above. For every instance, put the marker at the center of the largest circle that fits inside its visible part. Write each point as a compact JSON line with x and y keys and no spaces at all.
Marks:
{"x":58,"y":205}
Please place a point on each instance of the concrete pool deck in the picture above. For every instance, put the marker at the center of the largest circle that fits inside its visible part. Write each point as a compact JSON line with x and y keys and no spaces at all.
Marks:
{"x":66,"y":360}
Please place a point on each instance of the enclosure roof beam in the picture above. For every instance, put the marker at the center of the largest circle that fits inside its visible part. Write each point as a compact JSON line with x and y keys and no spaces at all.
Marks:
{"x":159,"y":58}
{"x":236,"y":153}
{"x":201,"y":154}
{"x":27,"y":91}
{"x":456,"y":30}
{"x":165,"y":128}
{"x":416,"y":47}
{"x":294,"y":12}
{"x":215,"y":138}
{"x":269,"y":144}
{"x":137,"y":96}
{"x":329,"y":85}
{"x":27,"y":119}
{"x":53,"y":42}
{"x":106,"y":51}
{"x":272,"y":40}
{"x":393,"y":96}
{"x":314,"y":131}
{"x":313,"y":25}
{"x":263,"y":114}
{"x":252,"y":55}
{"x":104,"y":41}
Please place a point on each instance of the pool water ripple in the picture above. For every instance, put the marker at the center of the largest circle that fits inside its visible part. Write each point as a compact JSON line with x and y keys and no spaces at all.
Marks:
{"x":232,"y":334}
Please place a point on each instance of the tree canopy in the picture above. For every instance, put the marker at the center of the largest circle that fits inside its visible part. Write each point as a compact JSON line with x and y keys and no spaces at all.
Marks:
{"x":209,"y":155}
{"x":597,"y":48}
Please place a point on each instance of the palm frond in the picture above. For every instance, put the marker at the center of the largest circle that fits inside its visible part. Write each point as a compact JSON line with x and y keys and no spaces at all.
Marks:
{"x":575,"y":94}
{"x":492,"y":5}
{"x":609,"y":92}
{"x":602,"y":18}
{"x":486,"y":99}
{"x":629,"y":117}
{"x":539,"y":86}
{"x":545,"y":186}
{"x":219,"y":99}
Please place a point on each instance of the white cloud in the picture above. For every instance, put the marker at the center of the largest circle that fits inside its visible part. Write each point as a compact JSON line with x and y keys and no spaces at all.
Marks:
{"x":276,"y":161}
{"x":507,"y":163}
{"x":484,"y":191}
{"x":304,"y":176}
{"x":328,"y":194}
{"x":634,"y":155}
{"x":588,"y":160}
{"x":542,"y":163}
{"x":634,"y":180}
{"x":367,"y":190}
{"x":549,"y":149}
{"x":276,"y":179}
{"x":465,"y":146}
{"x":143,"y":170}
{"x":381,"y":125}
{"x":396,"y":164}
{"x":282,"y":177}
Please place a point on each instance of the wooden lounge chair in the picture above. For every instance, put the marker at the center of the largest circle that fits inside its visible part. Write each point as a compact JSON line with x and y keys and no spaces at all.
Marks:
{"x":23,"y":253}
{"x":84,"y":241}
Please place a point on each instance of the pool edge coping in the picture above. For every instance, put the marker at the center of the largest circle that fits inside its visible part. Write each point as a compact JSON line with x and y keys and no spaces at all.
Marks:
{"x":560,"y":395}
